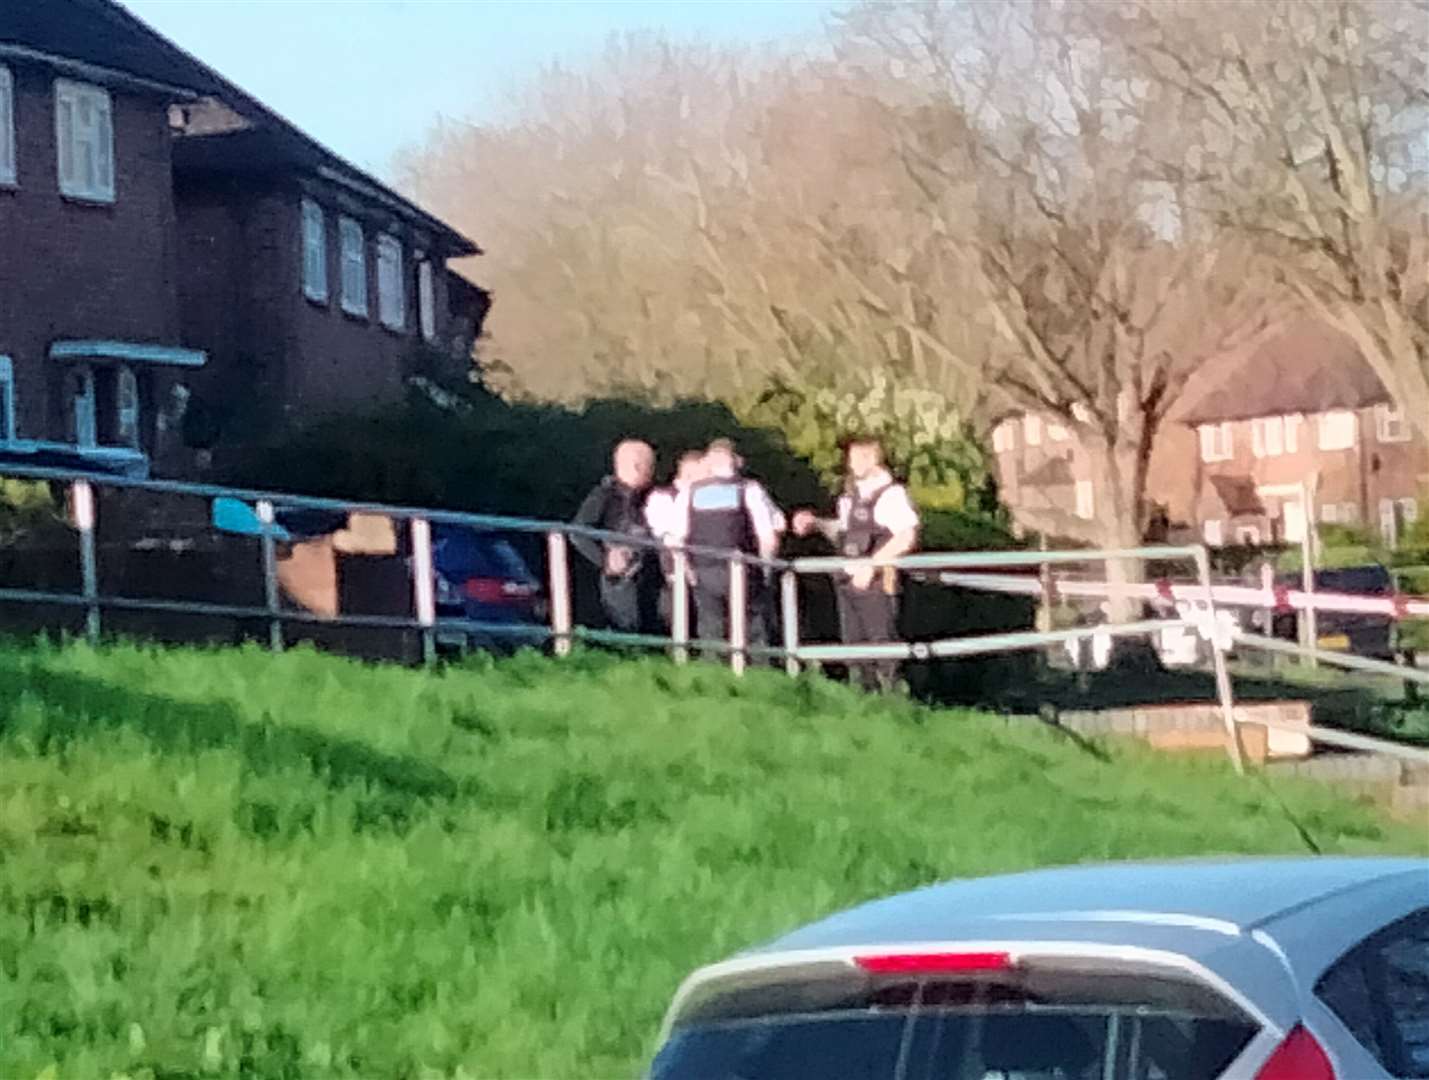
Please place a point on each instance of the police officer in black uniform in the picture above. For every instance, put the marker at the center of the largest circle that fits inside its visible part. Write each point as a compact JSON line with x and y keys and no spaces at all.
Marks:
{"x":727,"y":512}
{"x":629,"y":574}
{"x":876,"y":520}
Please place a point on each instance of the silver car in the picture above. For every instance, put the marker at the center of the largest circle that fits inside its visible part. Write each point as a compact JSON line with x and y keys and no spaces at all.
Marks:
{"x":1249,"y":969}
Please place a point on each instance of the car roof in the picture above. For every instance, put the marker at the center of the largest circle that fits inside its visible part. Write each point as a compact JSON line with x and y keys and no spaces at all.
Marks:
{"x":1233,"y":894}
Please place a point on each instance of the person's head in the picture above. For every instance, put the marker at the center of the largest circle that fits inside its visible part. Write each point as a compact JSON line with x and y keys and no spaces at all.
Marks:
{"x":863,"y":454}
{"x":689,"y":468}
{"x":721,"y":458}
{"x":634,"y":463}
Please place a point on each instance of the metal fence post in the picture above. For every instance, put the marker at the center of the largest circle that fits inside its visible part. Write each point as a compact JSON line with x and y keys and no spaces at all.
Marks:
{"x":424,"y":585}
{"x":738,"y":610}
{"x":789,"y":605}
{"x":82,"y":500}
{"x":1218,"y":658}
{"x":560,"y":582}
{"x":264,"y":510}
{"x":680,"y":605}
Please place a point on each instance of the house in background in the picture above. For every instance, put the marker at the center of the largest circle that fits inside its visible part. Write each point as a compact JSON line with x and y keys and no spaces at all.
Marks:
{"x":1305,"y":415}
{"x":1251,"y":434}
{"x":185,"y":273}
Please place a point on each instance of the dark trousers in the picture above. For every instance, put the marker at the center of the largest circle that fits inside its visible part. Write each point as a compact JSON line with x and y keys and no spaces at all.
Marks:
{"x":710,"y":596}
{"x":869,"y":616}
{"x":628,"y":602}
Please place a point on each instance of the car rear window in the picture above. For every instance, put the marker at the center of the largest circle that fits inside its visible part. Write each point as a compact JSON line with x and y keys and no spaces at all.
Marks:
{"x":462,"y":552}
{"x":940,"y":1031}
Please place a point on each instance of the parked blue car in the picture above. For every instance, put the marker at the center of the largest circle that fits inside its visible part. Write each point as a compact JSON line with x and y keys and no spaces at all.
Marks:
{"x":481,"y":577}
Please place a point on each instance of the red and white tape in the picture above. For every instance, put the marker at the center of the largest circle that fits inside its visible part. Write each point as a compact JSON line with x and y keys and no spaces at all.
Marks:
{"x":1278,"y":598}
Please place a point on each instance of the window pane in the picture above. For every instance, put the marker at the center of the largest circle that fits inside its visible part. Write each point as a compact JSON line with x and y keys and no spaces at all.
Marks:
{"x":354,"y":268}
{"x":1380,"y":992}
{"x":314,"y":251}
{"x":7,"y":400}
{"x":426,"y":301}
{"x":935,"y":1044}
{"x":7,"y":127}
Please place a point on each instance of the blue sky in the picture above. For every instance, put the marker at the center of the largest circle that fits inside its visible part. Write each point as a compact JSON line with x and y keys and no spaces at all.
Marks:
{"x":367,"y":77}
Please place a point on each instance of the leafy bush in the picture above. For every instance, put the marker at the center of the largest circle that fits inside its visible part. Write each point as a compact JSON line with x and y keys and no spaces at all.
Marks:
{"x":25,"y":506}
{"x":926,"y":441}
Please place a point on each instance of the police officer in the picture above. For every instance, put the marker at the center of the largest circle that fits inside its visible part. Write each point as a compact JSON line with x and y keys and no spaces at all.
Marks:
{"x":662,"y":517}
{"x":876,"y":520}
{"x":727,"y":512}
{"x":628,"y":583}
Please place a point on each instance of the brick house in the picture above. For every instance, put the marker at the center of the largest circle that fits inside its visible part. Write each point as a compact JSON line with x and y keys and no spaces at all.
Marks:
{"x":1232,"y":463}
{"x":185,"y":273}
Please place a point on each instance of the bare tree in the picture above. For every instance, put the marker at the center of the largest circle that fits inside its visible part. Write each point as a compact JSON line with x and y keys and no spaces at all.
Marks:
{"x":1100,"y":289}
{"x":1311,"y":137}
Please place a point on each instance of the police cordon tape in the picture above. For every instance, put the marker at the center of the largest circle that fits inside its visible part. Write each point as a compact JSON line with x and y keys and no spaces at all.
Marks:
{"x":1279,"y":599}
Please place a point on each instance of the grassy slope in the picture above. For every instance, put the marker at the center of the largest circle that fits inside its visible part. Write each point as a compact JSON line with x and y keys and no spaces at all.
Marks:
{"x":228,"y":863}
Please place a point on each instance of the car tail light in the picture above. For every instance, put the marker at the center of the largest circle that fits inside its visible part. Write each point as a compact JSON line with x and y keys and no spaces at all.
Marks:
{"x":1299,"y":1057}
{"x":933,"y":963}
{"x":496,"y":590}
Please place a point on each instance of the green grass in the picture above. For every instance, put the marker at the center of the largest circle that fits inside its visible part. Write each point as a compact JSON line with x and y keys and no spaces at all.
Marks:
{"x":232,"y":864}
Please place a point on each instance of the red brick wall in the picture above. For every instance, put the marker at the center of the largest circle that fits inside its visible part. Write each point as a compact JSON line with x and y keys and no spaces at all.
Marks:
{"x":293,"y":359}
{"x":69,"y":270}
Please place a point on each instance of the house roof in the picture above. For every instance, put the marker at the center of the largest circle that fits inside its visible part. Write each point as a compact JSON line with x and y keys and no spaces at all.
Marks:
{"x":1308,"y":368}
{"x":103,"y":34}
{"x":1238,"y":495}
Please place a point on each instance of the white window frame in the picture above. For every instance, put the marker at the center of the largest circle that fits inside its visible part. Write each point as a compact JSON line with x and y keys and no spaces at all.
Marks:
{"x":1267,"y":436}
{"x":1032,"y":429}
{"x":84,"y":152}
{"x":1349,"y":513}
{"x":1338,"y":430}
{"x":426,"y":299}
{"x":1329,"y":513}
{"x":1390,"y":425}
{"x":354,"y":266}
{"x":85,"y":407}
{"x":8,"y":431}
{"x":391,"y":285}
{"x":314,"y":251}
{"x":1214,"y":532}
{"x":9,"y":169}
{"x":1409,"y":510}
{"x":1217,"y":442}
{"x":1247,"y":535}
{"x":1086,"y":500}
{"x":127,"y":408}
{"x":1057,"y":432}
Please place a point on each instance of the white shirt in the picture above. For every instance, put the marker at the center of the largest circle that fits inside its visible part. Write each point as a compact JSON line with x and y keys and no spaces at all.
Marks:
{"x":893,"y":511}
{"x":756,"y":501}
{"x":660,"y":514}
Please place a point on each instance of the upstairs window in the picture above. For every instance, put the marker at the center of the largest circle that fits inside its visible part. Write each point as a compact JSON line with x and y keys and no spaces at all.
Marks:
{"x":1216,"y":443}
{"x":391,"y":293}
{"x":1338,"y":430}
{"x":426,"y":301}
{"x":1272,"y":436}
{"x":1389,"y":423}
{"x":84,"y":141}
{"x":354,"y":267}
{"x":1086,"y":500}
{"x":1004,"y":437}
{"x":1032,"y":430}
{"x":7,"y":127}
{"x":314,"y":252}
